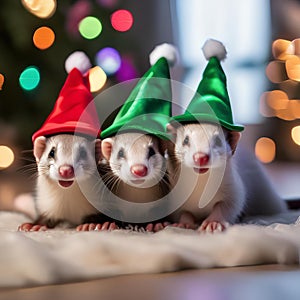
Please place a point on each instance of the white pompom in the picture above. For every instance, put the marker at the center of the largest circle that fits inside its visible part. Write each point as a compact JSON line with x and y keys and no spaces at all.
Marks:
{"x":165,"y":50}
{"x":214,"y":48}
{"x":79,"y":60}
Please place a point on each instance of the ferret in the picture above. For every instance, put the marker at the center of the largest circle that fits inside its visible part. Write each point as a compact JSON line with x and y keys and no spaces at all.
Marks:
{"x":242,"y":189}
{"x":66,"y":165}
{"x":134,"y":170}
{"x":210,"y":183}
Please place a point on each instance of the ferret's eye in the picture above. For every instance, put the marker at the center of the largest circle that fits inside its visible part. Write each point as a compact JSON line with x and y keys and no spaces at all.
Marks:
{"x":218,"y":141}
{"x":82,"y":154}
{"x":121,"y":153}
{"x":52,"y":153}
{"x":151,"y":152}
{"x":186,"y":141}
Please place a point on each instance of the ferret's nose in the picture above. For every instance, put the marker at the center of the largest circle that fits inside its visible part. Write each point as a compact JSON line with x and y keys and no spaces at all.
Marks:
{"x":139,"y":170}
{"x":66,"y":171}
{"x":201,"y":159}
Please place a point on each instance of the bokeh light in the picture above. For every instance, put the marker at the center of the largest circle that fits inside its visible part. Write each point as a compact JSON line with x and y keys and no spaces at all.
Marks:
{"x":264,"y":108}
{"x":265,"y":149}
{"x":282,"y":49}
{"x":295,"y":47}
{"x":1,"y":81}
{"x":285,"y":114}
{"x":276,"y":71}
{"x":277,"y":99}
{"x":292,"y":66}
{"x":6,"y":157}
{"x":97,"y":79}
{"x":294,"y":108}
{"x":122,"y":20}
{"x":29,"y":78}
{"x":90,"y":27}
{"x":127,"y":70}
{"x":295,"y":133}
{"x":43,"y":37}
{"x":109,"y":60}
{"x":40,"y":8}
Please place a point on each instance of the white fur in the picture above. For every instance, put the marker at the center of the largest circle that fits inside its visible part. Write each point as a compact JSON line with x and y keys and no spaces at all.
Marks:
{"x":164,"y":50}
{"x":213,"y":48}
{"x":136,"y":146}
{"x":221,"y":199}
{"x":79,"y":60}
{"x":54,"y":201}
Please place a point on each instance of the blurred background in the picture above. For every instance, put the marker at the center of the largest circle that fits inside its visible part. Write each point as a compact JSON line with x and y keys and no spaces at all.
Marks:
{"x":262,"y":68}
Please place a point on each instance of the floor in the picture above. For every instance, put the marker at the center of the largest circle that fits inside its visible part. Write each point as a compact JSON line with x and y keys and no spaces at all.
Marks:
{"x":274,"y":282}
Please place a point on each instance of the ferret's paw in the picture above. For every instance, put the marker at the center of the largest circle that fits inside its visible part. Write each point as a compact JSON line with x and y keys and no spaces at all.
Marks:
{"x":213,"y":226}
{"x":32,"y":227}
{"x":184,"y":225}
{"x":106,"y":226}
{"x":155,"y":227}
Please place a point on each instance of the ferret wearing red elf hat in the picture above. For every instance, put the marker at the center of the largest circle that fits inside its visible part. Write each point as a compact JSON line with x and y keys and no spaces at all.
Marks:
{"x":66,"y":150}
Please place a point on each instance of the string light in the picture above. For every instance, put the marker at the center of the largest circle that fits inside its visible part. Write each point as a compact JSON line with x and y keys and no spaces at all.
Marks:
{"x":90,"y":27}
{"x":277,"y":99}
{"x":109,"y":60}
{"x":1,"y":81}
{"x":276,"y":71}
{"x":43,"y":37}
{"x":122,"y":20}
{"x":295,"y":133}
{"x":294,"y":108}
{"x":6,"y":157}
{"x":29,"y":78}
{"x":292,"y":66}
{"x":40,"y":8}
{"x":265,"y":149}
{"x":97,"y":79}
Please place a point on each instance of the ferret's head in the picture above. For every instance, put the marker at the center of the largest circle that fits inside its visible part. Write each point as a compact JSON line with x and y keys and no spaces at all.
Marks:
{"x":65,"y":158}
{"x":203,"y":146}
{"x":135,"y":158}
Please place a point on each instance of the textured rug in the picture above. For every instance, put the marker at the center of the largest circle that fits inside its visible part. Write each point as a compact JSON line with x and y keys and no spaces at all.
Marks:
{"x":60,"y":256}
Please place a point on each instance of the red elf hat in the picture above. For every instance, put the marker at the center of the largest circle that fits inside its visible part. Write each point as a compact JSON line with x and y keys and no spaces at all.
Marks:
{"x":74,"y":110}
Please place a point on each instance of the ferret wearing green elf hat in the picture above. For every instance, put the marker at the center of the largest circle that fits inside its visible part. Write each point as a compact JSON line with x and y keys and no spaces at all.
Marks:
{"x":134,"y":145}
{"x":206,"y":138}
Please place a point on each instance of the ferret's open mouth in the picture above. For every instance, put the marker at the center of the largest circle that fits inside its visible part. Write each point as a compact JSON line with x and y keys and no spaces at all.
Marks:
{"x":65,"y":183}
{"x":138,"y":181}
{"x":201,"y":170}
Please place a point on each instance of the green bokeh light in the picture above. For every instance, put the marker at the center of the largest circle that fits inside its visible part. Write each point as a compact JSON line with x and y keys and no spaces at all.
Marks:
{"x":29,"y":78}
{"x":90,"y":27}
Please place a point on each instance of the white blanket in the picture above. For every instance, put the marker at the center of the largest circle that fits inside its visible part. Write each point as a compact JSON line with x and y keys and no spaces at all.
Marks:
{"x":58,"y":256}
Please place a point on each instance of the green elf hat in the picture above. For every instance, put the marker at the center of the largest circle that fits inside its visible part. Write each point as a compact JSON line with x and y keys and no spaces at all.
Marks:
{"x":211,"y":101}
{"x":148,"y":108}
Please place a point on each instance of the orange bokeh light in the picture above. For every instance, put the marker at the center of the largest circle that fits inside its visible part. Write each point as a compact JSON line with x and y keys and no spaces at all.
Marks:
{"x":43,"y":37}
{"x":292,"y":66}
{"x":1,"y":81}
{"x":265,"y":149}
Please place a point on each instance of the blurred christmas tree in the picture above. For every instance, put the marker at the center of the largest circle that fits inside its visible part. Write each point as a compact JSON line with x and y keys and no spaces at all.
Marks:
{"x":25,"y":110}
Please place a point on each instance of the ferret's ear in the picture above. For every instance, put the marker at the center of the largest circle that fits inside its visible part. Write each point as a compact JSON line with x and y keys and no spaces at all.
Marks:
{"x":172,"y":130}
{"x":39,"y":147}
{"x":106,"y":147}
{"x":97,"y":150}
{"x":233,"y":138}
